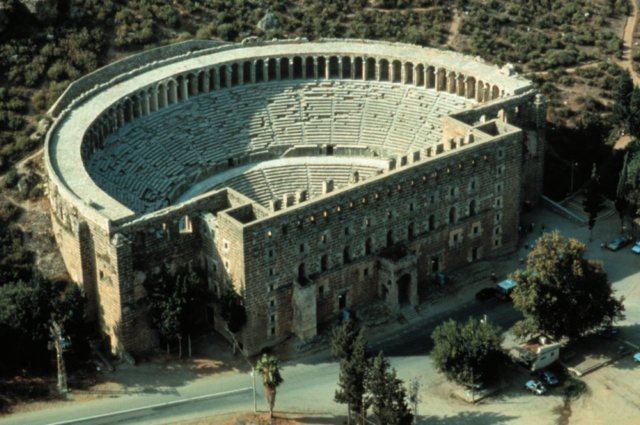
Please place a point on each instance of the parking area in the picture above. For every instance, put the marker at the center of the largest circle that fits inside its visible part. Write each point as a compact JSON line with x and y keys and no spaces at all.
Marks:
{"x":611,"y":394}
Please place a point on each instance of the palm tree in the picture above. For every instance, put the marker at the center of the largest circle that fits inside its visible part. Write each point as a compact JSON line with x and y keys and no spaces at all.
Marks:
{"x":268,"y":367}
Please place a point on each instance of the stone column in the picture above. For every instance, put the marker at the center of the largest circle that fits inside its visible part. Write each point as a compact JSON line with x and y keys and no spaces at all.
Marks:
{"x":174,"y":91}
{"x":291,"y":68}
{"x":365,"y":67}
{"x":315,"y":67}
{"x":303,"y":71}
{"x":205,"y":81}
{"x":340,"y":70}
{"x":403,"y":73}
{"x":265,"y":70}
{"x":154,"y":98}
{"x":164,"y":95}
{"x":278,"y":73}
{"x":377,"y":65}
{"x":216,"y":77}
{"x":326,"y":67}
{"x":416,"y":76}
{"x":185,"y":87}
{"x":146,"y":105}
{"x":120,"y":115}
{"x":254,"y":64}
{"x":352,"y":67}
{"x":229,"y":72}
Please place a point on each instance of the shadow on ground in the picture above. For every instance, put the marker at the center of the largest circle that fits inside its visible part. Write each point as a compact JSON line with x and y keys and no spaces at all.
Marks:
{"x":467,"y":418}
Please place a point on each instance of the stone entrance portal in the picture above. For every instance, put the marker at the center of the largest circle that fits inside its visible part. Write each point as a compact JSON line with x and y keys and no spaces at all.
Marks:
{"x":399,"y":280}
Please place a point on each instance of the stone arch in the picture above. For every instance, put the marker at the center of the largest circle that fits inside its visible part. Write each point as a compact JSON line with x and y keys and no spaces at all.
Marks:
{"x":271,"y":69}
{"x":200,"y":82}
{"x":472,"y":208}
{"x":411,"y":231}
{"x":384,"y":70}
{"x":441,"y":79}
{"x":471,"y":87}
{"x":358,"y":68}
{"x":302,"y":274}
{"x":181,"y":88}
{"x":404,"y":289}
{"x":389,"y":238}
{"x":495,"y":92}
{"x":407,"y":73}
{"x":284,"y":68}
{"x":430,"y":77}
{"x":370,"y":71}
{"x":212,"y":79}
{"x":334,"y":69}
{"x":235,"y":74}
{"x":346,"y":255}
{"x":128,"y":109}
{"x":396,"y":71}
{"x":368,"y":246}
{"x":451,"y":82}
{"x":431,"y":223}
{"x":260,"y":70}
{"x":452,"y":215}
{"x":297,"y":67}
{"x":246,"y":72}
{"x":162,"y":95}
{"x":309,"y":67}
{"x":222,"y":75}
{"x":347,"y":67}
{"x":419,"y":75}
{"x":322,"y":67}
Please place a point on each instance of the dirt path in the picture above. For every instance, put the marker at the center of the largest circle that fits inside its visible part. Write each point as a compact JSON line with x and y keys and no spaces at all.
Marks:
{"x":629,"y":30}
{"x":454,"y":28}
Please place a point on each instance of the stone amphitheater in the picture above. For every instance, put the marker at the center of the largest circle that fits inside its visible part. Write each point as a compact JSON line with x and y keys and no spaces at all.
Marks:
{"x":307,"y":177}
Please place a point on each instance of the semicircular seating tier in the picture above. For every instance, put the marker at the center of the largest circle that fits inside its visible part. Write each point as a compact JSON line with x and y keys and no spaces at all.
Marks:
{"x":155,"y":159}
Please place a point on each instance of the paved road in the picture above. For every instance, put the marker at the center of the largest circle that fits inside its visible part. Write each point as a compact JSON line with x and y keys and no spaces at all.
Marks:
{"x":309,"y":383}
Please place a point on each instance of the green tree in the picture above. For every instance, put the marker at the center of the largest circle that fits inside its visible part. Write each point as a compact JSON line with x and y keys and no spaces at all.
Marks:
{"x":593,"y":200}
{"x":386,"y":394}
{"x":468,"y":353}
{"x":561,"y":293}
{"x":267,"y":366}
{"x":349,"y":345}
{"x":622,"y":97}
{"x":634,"y":113}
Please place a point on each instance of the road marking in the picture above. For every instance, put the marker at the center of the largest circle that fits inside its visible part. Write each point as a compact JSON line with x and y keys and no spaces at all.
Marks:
{"x":152,"y":406}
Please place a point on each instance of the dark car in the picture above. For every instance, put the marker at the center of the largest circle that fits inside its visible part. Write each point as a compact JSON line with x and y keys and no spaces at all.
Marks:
{"x":549,"y":378}
{"x":485,"y":294}
{"x":619,"y":243}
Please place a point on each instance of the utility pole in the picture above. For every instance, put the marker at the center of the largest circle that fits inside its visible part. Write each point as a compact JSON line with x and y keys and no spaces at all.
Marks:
{"x":60,"y":344}
{"x":414,"y":397}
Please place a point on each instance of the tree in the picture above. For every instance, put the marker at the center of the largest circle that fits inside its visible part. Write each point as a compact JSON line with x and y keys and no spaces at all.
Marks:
{"x":634,"y":113}
{"x":593,"y":200}
{"x":621,"y":201}
{"x":468,"y":353}
{"x":349,"y":345}
{"x":622,"y":96}
{"x":561,"y":293}
{"x":269,"y":369}
{"x":386,"y":394}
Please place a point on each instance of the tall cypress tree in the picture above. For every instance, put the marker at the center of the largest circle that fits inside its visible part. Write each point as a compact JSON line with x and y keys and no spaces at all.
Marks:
{"x":349,"y":345}
{"x":621,"y":97}
{"x":593,"y":200}
{"x":386,"y":394}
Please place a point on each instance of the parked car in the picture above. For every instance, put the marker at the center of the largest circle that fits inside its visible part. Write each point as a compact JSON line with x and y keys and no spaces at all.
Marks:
{"x":636,"y":357}
{"x":504,"y":289}
{"x":485,"y":294}
{"x":535,"y":387}
{"x":619,"y":243}
{"x":636,"y":248}
{"x":549,"y":378}
{"x":607,"y":331}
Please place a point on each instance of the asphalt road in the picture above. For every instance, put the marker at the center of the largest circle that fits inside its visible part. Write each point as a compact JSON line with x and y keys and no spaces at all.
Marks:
{"x":309,"y":383}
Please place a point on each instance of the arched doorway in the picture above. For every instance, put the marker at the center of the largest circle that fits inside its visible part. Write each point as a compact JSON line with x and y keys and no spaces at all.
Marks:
{"x":404,"y":289}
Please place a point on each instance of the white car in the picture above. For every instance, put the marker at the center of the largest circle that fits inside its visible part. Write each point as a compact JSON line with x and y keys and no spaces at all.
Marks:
{"x":636,"y":248}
